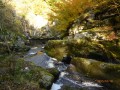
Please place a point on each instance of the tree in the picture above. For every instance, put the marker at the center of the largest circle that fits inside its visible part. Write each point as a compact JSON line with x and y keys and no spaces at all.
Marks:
{"x":10,"y":26}
{"x":67,"y":11}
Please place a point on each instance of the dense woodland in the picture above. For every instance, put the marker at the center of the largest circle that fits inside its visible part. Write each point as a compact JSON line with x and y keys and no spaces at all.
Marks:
{"x":82,"y":29}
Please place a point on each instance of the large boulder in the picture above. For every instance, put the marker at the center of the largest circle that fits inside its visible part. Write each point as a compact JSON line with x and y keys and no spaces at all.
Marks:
{"x":19,"y":74}
{"x":56,"y":48}
{"x":98,"y":70}
{"x":79,"y":48}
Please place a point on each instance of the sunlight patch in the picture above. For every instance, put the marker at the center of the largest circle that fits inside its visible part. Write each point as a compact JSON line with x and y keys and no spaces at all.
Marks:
{"x":36,"y":20}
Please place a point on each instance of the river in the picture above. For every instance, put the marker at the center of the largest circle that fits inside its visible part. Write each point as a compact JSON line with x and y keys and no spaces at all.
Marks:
{"x":68,"y":78}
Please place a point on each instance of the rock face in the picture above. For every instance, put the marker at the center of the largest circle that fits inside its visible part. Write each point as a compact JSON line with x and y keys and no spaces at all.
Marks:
{"x":41,"y":33}
{"x":99,"y":23}
{"x":19,"y":45}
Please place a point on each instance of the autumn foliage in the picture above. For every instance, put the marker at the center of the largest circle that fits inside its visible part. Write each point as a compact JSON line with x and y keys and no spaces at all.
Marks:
{"x":66,"y":11}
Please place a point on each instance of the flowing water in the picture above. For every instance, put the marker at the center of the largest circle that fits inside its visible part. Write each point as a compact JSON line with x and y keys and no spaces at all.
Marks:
{"x":67,"y":78}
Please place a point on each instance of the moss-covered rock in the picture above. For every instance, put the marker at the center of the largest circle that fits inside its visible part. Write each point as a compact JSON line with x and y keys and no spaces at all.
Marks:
{"x":19,"y":74}
{"x":54,"y":72}
{"x":98,"y":70}
{"x":56,"y":48}
{"x":79,"y":48}
{"x":59,"y":48}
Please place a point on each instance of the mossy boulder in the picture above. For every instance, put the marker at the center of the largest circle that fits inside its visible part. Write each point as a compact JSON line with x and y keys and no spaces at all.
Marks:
{"x":78,"y":48}
{"x":19,"y":74}
{"x":98,"y":70}
{"x":56,"y":48}
{"x":59,"y":48}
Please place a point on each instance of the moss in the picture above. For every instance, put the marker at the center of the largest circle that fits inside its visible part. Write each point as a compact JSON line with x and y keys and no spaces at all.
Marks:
{"x":59,"y":48}
{"x":78,"y":48}
{"x":56,"y":48}
{"x":19,"y":74}
{"x":53,"y":71}
{"x":98,"y":70}
{"x":36,"y":75}
{"x":110,"y":46}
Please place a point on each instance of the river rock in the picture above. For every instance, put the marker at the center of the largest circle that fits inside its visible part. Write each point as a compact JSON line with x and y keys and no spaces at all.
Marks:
{"x":56,"y":49}
{"x":99,"y":70}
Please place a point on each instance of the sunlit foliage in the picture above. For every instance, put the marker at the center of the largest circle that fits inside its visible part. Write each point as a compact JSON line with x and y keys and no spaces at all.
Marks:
{"x":67,"y":11}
